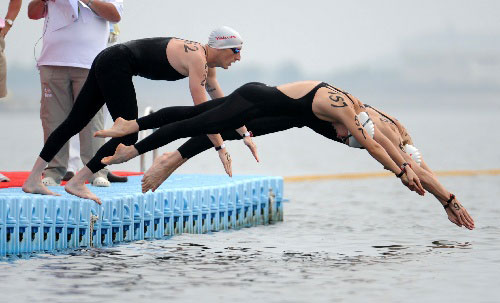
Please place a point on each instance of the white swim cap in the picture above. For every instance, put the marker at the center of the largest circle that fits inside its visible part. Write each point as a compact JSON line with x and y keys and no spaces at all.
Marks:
{"x":414,"y":153}
{"x":224,"y":37}
{"x":369,"y":127}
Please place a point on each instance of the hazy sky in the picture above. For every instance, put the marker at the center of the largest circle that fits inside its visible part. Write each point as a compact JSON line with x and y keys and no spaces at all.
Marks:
{"x":317,"y":35}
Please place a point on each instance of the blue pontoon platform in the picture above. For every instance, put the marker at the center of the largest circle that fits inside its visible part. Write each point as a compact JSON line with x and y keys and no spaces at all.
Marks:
{"x":183,"y":204}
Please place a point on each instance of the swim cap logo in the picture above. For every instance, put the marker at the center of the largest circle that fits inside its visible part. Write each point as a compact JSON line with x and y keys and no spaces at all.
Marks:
{"x":225,"y":37}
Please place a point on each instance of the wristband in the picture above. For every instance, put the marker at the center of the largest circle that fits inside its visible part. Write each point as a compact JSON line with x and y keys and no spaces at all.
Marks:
{"x":403,"y":166}
{"x":452,"y":196}
{"x":247,"y":134}
{"x":403,"y":169}
{"x":217,"y":148}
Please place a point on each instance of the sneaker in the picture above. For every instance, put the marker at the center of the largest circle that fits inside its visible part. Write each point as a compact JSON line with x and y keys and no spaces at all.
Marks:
{"x":68,"y":176}
{"x":4,"y":178}
{"x":114,"y":178}
{"x":101,"y":182}
{"x":49,"y":181}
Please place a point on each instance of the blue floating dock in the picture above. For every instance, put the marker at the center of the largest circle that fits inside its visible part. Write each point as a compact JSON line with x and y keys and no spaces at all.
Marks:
{"x":182,"y":204}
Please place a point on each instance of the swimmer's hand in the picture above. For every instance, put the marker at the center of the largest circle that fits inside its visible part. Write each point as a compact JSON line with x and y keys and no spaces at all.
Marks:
{"x":459,"y":215}
{"x":411,"y":180}
{"x":253,"y":148}
{"x":225,"y":158}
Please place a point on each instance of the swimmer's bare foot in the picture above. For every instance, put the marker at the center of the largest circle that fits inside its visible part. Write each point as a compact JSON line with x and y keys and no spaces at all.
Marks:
{"x":122,"y":154}
{"x":34,"y":185}
{"x":79,"y":189}
{"x":37,"y":187}
{"x":162,"y":168}
{"x":120,"y":128}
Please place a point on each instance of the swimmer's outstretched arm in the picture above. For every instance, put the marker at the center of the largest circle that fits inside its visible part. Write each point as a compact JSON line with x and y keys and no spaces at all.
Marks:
{"x":396,"y":139}
{"x":455,"y":211}
{"x":202,"y":78}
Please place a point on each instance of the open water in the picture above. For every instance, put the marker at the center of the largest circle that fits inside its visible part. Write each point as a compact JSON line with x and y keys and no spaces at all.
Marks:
{"x":367,"y":240}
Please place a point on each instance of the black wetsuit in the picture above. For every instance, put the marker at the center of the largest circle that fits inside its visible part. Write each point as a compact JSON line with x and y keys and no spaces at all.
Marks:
{"x":110,"y":82}
{"x":249,"y":102}
{"x":260,"y":127}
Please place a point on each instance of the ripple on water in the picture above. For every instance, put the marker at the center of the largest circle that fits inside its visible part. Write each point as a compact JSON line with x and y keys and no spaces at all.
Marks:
{"x":339,"y":249}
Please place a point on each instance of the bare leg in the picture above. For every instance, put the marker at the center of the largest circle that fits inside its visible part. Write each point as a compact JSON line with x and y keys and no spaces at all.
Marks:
{"x":120,"y":128}
{"x":76,"y":186}
{"x":34,"y":185}
{"x":162,"y":168}
{"x":122,"y":154}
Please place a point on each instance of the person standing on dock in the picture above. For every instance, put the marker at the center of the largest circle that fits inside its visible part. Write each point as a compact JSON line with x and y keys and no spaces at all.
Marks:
{"x":74,"y":33}
{"x":110,"y":82}
{"x":5,"y":26}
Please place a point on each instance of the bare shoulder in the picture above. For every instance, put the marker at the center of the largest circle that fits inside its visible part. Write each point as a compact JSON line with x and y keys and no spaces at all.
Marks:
{"x":187,"y":48}
{"x":190,"y":53}
{"x":333,"y":97}
{"x":332,"y":105}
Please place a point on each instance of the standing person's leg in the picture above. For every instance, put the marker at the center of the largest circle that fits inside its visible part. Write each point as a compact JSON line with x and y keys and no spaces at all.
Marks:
{"x":3,"y":69}
{"x":3,"y":84}
{"x":56,"y":104}
{"x":74,"y":161}
{"x":88,"y":144}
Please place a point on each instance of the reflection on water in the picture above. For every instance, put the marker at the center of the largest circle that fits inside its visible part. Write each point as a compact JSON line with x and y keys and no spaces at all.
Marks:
{"x":451,"y":244}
